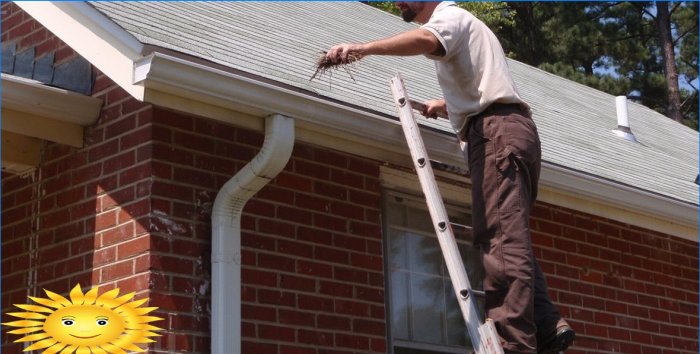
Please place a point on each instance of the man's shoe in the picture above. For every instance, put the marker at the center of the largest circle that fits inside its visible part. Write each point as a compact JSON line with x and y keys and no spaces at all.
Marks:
{"x":559,"y":341}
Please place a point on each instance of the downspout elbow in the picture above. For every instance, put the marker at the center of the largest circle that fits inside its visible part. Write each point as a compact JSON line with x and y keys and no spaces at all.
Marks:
{"x":226,"y":231}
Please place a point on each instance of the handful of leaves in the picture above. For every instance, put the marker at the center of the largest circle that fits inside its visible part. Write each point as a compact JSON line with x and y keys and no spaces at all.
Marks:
{"x":325,"y":65}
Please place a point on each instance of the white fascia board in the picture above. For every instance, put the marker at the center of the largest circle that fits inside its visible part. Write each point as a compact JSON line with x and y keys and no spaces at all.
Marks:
{"x":33,"y":97}
{"x":575,"y":182}
{"x":383,"y":137}
{"x":160,"y":73}
{"x":92,"y":35}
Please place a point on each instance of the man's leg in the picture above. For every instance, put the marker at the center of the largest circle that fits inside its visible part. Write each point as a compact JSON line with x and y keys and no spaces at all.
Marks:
{"x":500,"y":148}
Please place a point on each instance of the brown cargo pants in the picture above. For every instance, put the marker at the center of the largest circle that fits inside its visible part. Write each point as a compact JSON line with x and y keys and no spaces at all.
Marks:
{"x":504,"y":162}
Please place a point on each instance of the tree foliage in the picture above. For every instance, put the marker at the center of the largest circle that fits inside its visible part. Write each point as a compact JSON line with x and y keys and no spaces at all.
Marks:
{"x":615,"y":47}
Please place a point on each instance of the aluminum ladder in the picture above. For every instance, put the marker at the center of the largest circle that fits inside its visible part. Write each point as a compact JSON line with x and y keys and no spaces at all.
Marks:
{"x":483,"y":334}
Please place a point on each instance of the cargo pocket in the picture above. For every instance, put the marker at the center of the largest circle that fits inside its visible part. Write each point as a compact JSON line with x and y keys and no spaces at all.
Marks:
{"x":509,"y":193}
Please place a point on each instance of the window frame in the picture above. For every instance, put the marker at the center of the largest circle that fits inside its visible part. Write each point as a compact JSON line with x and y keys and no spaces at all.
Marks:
{"x":416,"y":201}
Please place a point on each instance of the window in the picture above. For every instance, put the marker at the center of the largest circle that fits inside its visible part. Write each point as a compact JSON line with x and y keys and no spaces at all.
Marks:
{"x":423,"y":310}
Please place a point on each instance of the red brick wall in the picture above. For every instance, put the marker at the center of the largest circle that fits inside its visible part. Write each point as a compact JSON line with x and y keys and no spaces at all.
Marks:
{"x":132,"y":208}
{"x":625,"y":289}
{"x":83,"y":216}
{"x":311,"y":241}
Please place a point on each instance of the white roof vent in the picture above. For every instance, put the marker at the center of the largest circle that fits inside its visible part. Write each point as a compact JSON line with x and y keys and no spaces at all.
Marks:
{"x":623,"y":125}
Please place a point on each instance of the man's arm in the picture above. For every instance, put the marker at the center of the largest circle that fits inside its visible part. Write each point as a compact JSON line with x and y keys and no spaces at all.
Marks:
{"x":414,"y":42}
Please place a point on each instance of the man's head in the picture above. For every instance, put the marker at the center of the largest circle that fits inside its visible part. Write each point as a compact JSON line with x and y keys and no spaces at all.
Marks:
{"x":418,"y":11}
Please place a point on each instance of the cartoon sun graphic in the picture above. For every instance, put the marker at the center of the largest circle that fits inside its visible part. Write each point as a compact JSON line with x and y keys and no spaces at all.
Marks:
{"x":85,"y":324}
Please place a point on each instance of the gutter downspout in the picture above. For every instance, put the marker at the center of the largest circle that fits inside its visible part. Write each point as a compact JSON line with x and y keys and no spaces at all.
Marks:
{"x":226,"y":231}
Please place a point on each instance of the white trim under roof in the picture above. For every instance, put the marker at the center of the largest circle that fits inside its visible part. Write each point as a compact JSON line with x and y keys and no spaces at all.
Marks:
{"x":32,"y":111}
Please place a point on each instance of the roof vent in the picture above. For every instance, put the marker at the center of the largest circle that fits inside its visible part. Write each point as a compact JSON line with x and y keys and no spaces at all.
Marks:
{"x":623,"y":125}
{"x":697,"y":180}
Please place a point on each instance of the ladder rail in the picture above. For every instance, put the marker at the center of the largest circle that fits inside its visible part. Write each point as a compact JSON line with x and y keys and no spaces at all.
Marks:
{"x":483,"y":337}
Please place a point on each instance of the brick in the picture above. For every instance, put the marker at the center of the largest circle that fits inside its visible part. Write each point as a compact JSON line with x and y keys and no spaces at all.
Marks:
{"x":370,"y":294}
{"x":279,"y":195}
{"x":173,"y":264}
{"x":276,"y":228}
{"x":104,"y":256}
{"x":193,"y":177}
{"x":291,"y":282}
{"x":260,"y":313}
{"x":296,"y":350}
{"x":331,"y":255}
{"x":296,"y":318}
{"x":330,"y":190}
{"x":375,"y":328}
{"x":366,"y":262}
{"x":345,"y":178}
{"x":311,"y":202}
{"x":134,"y":284}
{"x":116,"y":270}
{"x":332,"y":223}
{"x":350,"y":243}
{"x":314,"y":235}
{"x":366,"y":199}
{"x":315,"y":303}
{"x":347,"y":210}
{"x":133,"y":247}
{"x":315,"y":337}
{"x":258,"y":277}
{"x":336,"y":289}
{"x":314,"y":269}
{"x":352,"y":308}
{"x":296,"y":215}
{"x":352,"y":341}
{"x":294,"y":182}
{"x":311,"y":170}
{"x":365,"y":229}
{"x":295,"y":248}
{"x":64,"y":54}
{"x":276,"y":297}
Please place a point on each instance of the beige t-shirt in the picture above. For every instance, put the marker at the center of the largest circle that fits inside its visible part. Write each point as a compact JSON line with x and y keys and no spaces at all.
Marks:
{"x":474,"y":72}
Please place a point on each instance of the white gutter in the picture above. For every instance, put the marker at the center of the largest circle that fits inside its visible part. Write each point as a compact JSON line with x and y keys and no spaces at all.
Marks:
{"x":613,"y":193}
{"x":226,"y":231}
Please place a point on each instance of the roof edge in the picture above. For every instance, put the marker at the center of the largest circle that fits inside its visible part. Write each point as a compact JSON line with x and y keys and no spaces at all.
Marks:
{"x":96,"y":38}
{"x":630,"y":205}
{"x":195,"y":81}
{"x":36,"y":98}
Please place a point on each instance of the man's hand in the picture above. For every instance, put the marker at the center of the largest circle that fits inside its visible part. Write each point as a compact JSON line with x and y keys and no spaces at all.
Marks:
{"x":431,"y":108}
{"x":345,"y":53}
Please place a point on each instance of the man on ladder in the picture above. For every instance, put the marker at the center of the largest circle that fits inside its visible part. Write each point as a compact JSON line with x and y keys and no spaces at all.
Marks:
{"x":486,"y":110}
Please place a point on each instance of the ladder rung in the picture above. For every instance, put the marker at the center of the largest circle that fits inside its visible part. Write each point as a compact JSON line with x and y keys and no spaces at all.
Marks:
{"x":460,"y":226}
{"x":441,"y":166}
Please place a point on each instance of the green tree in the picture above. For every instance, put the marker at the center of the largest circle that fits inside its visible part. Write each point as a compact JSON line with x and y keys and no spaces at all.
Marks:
{"x":637,"y":49}
{"x":624,"y":48}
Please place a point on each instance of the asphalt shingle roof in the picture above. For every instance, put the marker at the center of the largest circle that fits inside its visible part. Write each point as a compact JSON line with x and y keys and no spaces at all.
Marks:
{"x":281,"y":41}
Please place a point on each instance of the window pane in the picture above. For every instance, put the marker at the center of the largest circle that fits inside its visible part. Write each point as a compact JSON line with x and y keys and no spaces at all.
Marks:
{"x":456,"y":329}
{"x":399,"y":305}
{"x":427,"y":300}
{"x":424,"y":254}
{"x":419,"y":219}
{"x":398,"y":251}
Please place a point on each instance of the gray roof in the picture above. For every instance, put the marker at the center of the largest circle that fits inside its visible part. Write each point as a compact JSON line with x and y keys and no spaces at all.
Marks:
{"x":281,"y":41}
